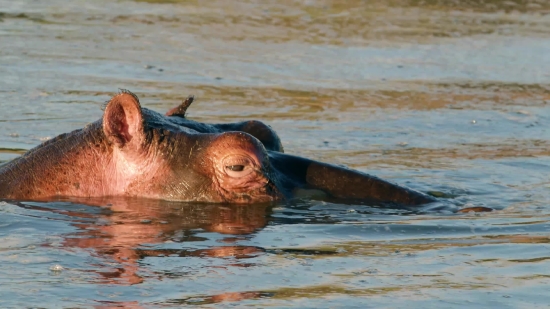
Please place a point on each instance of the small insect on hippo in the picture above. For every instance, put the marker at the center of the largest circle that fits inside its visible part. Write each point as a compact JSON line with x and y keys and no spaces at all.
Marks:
{"x":134,"y":151}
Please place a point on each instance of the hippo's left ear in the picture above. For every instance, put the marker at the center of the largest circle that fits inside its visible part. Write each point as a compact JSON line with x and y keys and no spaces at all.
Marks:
{"x":180,"y":110}
{"x":123,"y":120}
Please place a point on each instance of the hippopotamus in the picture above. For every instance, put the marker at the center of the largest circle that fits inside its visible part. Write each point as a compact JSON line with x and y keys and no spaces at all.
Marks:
{"x":133,"y":151}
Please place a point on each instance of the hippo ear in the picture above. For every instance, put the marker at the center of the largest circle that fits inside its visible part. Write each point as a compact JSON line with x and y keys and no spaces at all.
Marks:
{"x":123,"y":120}
{"x":180,"y":110}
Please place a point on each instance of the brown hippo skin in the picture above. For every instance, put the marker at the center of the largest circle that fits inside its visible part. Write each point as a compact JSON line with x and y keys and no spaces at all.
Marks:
{"x":133,"y":151}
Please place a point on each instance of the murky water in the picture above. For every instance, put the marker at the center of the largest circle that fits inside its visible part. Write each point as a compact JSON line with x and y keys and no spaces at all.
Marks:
{"x":446,"y":96}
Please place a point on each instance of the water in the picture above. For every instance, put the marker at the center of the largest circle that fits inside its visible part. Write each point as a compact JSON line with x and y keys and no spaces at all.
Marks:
{"x":446,"y":96}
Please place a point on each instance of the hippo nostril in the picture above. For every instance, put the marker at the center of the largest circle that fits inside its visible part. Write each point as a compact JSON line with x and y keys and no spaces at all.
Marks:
{"x":235,"y":168}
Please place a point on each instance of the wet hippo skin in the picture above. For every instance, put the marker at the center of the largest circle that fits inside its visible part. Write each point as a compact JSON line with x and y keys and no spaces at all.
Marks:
{"x":133,"y":151}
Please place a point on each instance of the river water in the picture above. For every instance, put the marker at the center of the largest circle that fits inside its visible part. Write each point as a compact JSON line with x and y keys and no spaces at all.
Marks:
{"x":444,"y":96}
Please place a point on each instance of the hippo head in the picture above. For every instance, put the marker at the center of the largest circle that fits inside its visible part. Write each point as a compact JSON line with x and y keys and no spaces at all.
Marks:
{"x":172,"y":157}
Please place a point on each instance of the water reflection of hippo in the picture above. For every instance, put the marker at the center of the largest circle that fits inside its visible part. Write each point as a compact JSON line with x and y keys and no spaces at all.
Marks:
{"x":118,"y":232}
{"x":134,"y":151}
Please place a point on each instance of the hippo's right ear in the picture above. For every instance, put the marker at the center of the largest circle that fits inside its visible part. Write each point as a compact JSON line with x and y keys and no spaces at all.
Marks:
{"x":123,"y":120}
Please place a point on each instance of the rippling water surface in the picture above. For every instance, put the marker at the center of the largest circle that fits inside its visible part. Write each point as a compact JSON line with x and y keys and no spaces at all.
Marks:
{"x":443,"y":96}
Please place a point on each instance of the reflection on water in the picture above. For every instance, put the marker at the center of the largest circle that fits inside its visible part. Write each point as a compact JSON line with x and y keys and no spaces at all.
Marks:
{"x":166,"y":253}
{"x":443,"y":96}
{"x":127,"y":224}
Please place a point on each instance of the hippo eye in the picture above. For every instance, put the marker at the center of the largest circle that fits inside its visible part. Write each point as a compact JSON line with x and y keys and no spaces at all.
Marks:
{"x":235,"y":168}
